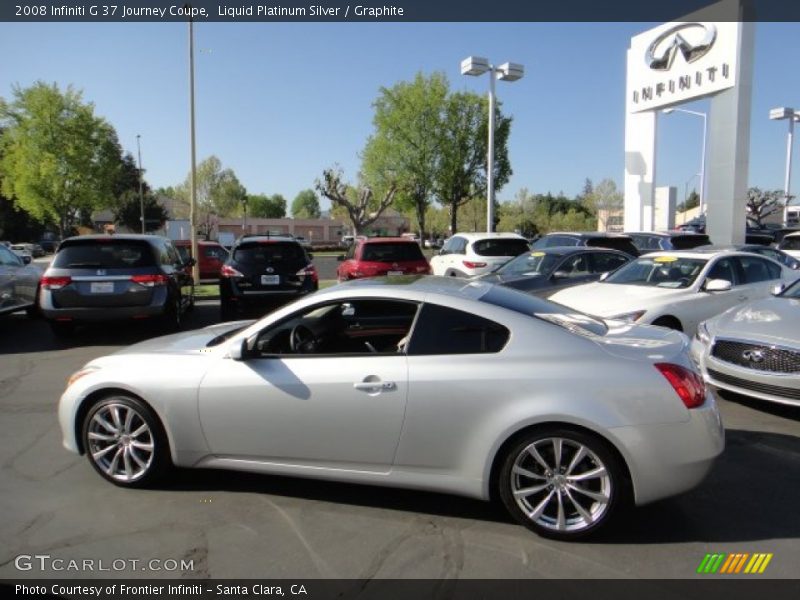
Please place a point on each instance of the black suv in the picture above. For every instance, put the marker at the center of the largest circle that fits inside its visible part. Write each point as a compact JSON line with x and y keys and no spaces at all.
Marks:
{"x":595,"y":239}
{"x":264,"y":271}
{"x":115,"y":277}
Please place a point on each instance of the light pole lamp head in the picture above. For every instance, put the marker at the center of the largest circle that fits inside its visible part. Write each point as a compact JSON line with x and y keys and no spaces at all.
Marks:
{"x":783,"y":112}
{"x":474,"y":65}
{"x":510,"y":71}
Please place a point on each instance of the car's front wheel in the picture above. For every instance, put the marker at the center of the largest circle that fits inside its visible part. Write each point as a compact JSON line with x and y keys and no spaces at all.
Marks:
{"x":561,"y":483}
{"x":124,"y":442}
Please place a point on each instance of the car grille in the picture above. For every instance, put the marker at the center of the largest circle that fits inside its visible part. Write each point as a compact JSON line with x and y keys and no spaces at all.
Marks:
{"x":757,"y":357}
{"x":763,"y":388}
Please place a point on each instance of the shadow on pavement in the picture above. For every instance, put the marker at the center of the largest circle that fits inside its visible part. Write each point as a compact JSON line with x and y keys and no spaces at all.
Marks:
{"x":752,"y":494}
{"x":779,"y":410}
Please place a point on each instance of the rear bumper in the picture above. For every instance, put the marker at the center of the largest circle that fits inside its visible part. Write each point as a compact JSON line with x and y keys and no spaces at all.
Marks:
{"x":668,"y":459}
{"x":102,"y":313}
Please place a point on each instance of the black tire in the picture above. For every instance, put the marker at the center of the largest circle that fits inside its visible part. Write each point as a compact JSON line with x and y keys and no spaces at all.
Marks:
{"x":124,"y":459}
{"x":669,"y":323}
{"x":62,"y":329}
{"x":34,"y":311}
{"x":538,"y":510}
{"x":173,"y":315}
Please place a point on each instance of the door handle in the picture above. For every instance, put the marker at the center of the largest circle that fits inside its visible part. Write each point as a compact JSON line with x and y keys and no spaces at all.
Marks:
{"x":375,"y":386}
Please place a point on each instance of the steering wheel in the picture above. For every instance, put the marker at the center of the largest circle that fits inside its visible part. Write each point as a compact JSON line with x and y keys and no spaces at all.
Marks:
{"x":302,"y":340}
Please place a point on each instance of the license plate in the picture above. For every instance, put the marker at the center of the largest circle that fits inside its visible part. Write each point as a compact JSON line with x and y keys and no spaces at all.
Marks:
{"x":394,"y":273}
{"x":102,"y":287}
{"x":270,"y":279}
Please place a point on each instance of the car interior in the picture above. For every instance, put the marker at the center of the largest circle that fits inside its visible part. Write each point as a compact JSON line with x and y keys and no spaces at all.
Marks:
{"x":349,"y":327}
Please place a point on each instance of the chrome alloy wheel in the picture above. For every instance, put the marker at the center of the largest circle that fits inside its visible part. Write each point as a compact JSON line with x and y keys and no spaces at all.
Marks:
{"x":120,"y":442}
{"x":561,"y":485}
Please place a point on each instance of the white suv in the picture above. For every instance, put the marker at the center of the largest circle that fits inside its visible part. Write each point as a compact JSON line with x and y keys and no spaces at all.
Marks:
{"x":471,"y":254}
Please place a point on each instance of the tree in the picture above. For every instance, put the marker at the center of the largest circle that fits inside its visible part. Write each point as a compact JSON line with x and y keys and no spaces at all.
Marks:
{"x":404,"y":150}
{"x":461,"y":170}
{"x":604,"y":201}
{"x":59,"y":161}
{"x":219,"y":194}
{"x":761,"y":204}
{"x":128,"y":211}
{"x":266,"y":207}
{"x":692,"y":201}
{"x":306,"y":205}
{"x":361,"y":205}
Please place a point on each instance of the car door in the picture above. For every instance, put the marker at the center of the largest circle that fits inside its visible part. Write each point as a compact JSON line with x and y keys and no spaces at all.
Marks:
{"x":573,"y":270}
{"x":336,"y":409}
{"x":709,"y":304}
{"x":757,"y":276}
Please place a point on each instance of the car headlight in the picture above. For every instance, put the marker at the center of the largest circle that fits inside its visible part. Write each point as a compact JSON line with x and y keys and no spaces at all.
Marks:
{"x":630,"y":317}
{"x":702,"y":334}
{"x":81,"y":373}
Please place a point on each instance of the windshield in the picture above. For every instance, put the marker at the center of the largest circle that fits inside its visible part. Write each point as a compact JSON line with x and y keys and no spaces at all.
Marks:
{"x":391,"y":252}
{"x":659,"y":271}
{"x":530,"y":264}
{"x":105,"y":254}
{"x":255,"y":253}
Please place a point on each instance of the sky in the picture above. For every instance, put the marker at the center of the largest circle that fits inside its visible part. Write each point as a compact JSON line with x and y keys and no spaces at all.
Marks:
{"x":280,"y":102}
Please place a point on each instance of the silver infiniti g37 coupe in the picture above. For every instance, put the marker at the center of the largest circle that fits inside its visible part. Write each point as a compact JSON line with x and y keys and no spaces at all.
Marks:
{"x":421,"y":382}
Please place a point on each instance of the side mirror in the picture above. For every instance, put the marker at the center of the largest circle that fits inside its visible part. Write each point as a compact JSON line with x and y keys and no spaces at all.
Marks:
{"x":777,"y":289}
{"x":26,"y":259}
{"x":239,"y":350}
{"x":340,"y":258}
{"x":604,"y":276}
{"x":560,"y":275}
{"x":717,"y":285}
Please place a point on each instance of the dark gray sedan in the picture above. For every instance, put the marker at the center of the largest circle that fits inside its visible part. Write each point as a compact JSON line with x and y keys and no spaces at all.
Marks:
{"x":19,"y":282}
{"x":543,"y":272}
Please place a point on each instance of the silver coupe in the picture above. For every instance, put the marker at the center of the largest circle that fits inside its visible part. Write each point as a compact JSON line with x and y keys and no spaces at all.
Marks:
{"x":422,"y":382}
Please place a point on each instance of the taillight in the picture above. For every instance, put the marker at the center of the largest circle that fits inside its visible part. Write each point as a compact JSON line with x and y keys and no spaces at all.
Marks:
{"x":689,"y":386}
{"x":309,"y":271}
{"x":150,"y":280}
{"x":55,"y":283}
{"x":473,"y":265}
{"x":228,"y":271}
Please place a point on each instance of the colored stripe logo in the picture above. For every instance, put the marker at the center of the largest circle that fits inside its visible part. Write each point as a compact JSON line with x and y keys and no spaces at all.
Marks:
{"x":734,"y":564}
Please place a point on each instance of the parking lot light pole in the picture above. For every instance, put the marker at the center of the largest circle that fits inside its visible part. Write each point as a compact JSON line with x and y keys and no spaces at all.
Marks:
{"x":193,"y":177}
{"x":704,"y":116}
{"x":475,"y":66}
{"x":141,"y":195}
{"x":779,"y":114}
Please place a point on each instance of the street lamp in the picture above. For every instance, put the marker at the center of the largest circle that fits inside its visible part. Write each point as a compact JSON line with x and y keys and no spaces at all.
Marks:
{"x":193,"y":178}
{"x":475,"y":66}
{"x":668,"y":111}
{"x":778,"y":114}
{"x":141,"y":195}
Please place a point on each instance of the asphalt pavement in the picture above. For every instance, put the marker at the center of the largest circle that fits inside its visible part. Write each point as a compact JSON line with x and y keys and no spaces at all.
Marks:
{"x":231,"y":525}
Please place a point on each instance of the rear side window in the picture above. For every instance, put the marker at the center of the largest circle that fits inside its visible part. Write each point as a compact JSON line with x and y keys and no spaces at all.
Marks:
{"x":442,"y":330}
{"x":215,"y":252}
{"x":104,"y":254}
{"x":757,"y":269}
{"x":623,"y":244}
{"x":790,"y":243}
{"x":605,"y":262}
{"x":500,"y":247}
{"x":390,"y":252}
{"x":268,"y":252}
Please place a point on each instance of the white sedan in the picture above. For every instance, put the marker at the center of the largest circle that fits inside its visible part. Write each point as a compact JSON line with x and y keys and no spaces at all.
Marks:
{"x":678,"y":289}
{"x":421,"y":382}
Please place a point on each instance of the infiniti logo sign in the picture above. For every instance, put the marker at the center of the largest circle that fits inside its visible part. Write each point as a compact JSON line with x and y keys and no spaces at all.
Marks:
{"x":754,"y":356}
{"x":661,"y":53}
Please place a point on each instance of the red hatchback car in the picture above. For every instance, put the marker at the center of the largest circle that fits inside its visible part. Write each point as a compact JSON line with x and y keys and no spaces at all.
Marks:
{"x":372,"y":257}
{"x":212,"y":256}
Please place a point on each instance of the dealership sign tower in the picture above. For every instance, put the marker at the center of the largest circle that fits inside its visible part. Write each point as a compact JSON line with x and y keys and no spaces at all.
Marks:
{"x":676,"y":63}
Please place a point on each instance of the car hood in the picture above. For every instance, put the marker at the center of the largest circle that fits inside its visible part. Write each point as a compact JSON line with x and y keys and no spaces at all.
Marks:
{"x":510,"y":280}
{"x":184,"y":342}
{"x":771,"y":320}
{"x":608,"y":299}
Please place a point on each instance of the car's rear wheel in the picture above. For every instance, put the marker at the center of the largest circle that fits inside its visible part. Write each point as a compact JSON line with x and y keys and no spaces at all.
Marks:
{"x":561,"y":483}
{"x":173,"y":315}
{"x":226,"y":311}
{"x":124,"y":442}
